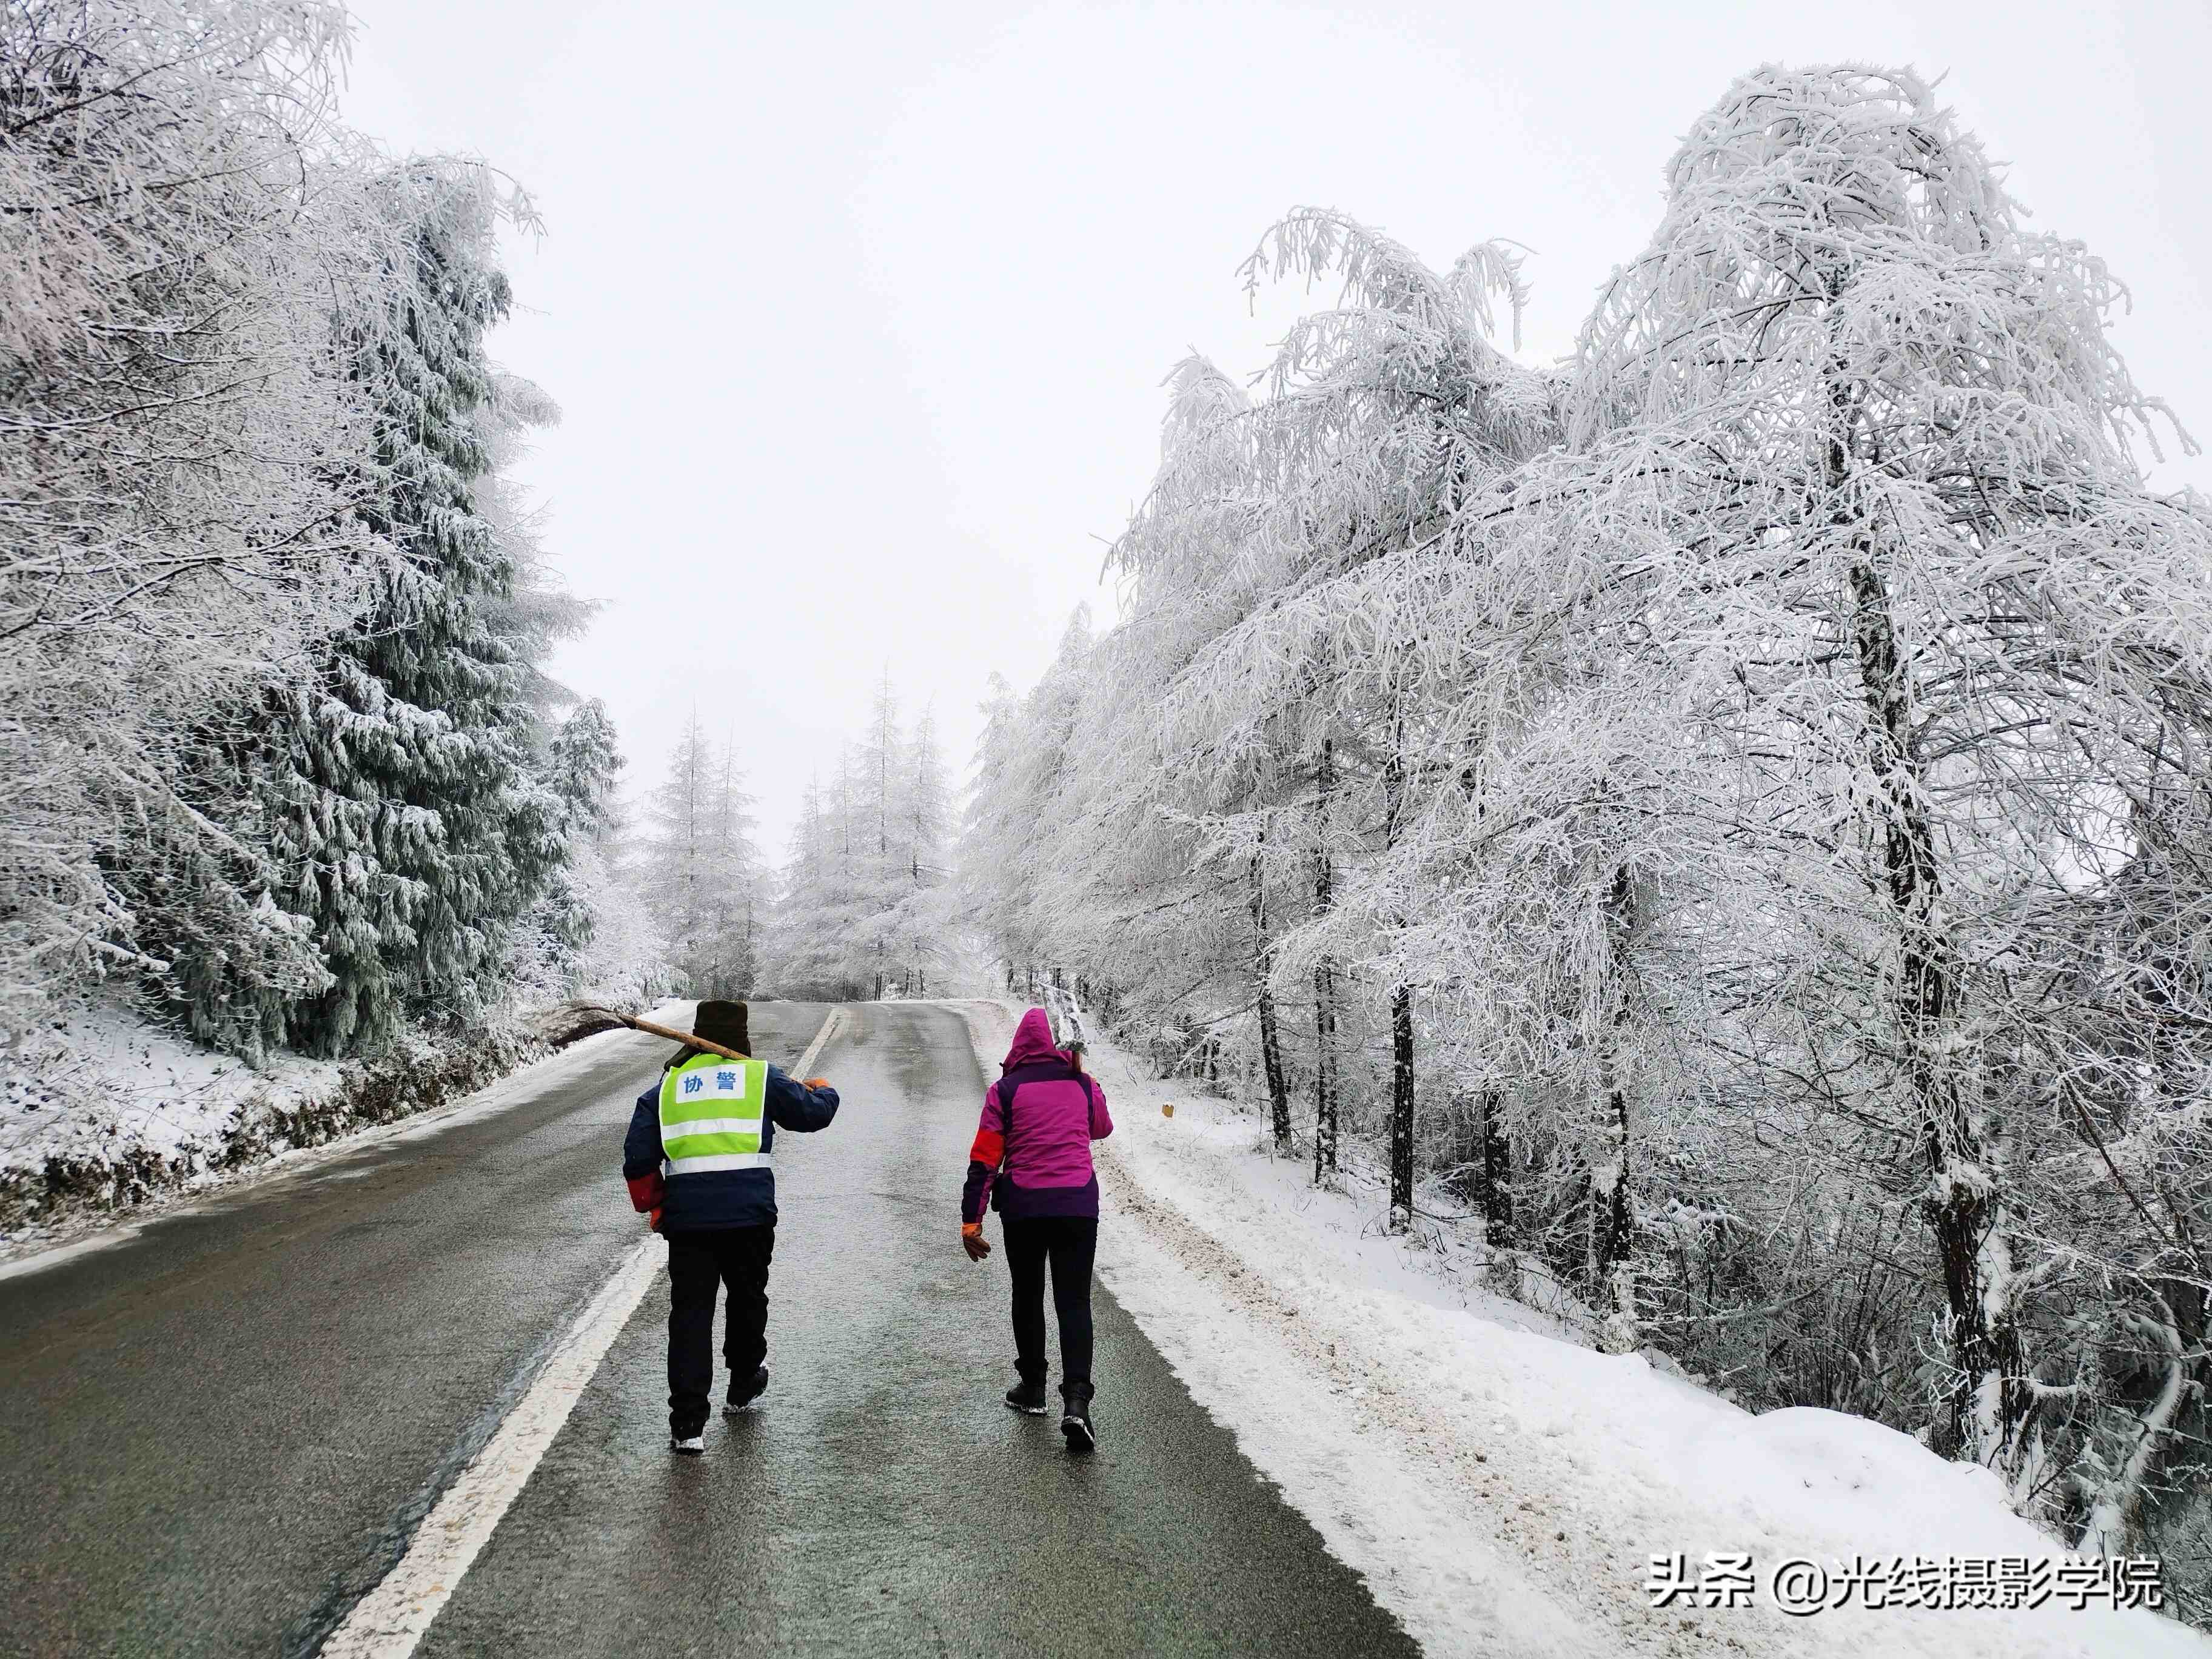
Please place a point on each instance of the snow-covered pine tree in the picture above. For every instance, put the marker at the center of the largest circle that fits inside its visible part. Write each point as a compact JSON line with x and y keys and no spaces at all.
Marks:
{"x":924,"y":813}
{"x":811,"y":951}
{"x":733,"y":868}
{"x":861,"y":904}
{"x":581,"y":766}
{"x":797,"y":963}
{"x":538,"y":611}
{"x":1023,"y":834}
{"x":409,"y":825}
{"x":677,"y":854}
{"x":700,"y":868}
{"x":582,"y":761}
{"x":880,"y":879}
{"x":991,"y":826}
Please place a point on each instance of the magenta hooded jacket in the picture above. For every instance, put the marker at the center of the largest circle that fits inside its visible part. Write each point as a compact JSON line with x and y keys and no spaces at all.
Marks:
{"x":1039,"y":1120}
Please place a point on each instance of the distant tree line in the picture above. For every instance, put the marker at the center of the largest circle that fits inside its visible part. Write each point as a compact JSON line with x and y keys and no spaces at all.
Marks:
{"x":700,"y":871}
{"x":860,"y":906}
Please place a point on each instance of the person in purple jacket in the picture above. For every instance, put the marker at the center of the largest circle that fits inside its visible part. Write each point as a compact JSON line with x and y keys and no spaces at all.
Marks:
{"x":1031,"y":1161}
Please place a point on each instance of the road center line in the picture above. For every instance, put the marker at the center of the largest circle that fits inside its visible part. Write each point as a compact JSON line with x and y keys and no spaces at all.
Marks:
{"x":807,"y":1061}
{"x":387,"y":1622}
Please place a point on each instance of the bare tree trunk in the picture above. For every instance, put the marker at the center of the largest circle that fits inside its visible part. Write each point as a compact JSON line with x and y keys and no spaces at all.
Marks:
{"x":2115,"y":1496}
{"x":1988,"y":1400}
{"x":1401,"y":1016}
{"x":1493,"y":1187}
{"x":1263,"y":969}
{"x":1612,"y":1272}
{"x":1402,"y":1109}
{"x":1325,"y":1100}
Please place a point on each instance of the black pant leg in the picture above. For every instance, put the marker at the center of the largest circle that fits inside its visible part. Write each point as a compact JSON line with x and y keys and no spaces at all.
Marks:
{"x":1074,"y":1247}
{"x":1025,"y":1257}
{"x":746,"y":1254}
{"x":694,"y":1274}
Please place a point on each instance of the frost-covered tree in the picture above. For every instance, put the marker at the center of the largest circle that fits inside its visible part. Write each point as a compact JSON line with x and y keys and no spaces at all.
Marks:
{"x":1149,"y":886}
{"x":1866,"y":463}
{"x":808,"y":954}
{"x":1384,"y":413}
{"x":878,"y":876}
{"x":410,"y":825}
{"x":923,"y":810}
{"x":1846,"y":629}
{"x":176,"y":498}
{"x":736,"y":905}
{"x":582,"y":766}
{"x":538,"y":611}
{"x":862,"y":910}
{"x":1753,"y":778}
{"x":701,"y":869}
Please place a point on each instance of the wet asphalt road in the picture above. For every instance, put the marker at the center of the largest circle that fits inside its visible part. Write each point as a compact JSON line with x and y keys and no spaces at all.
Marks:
{"x":214,"y":1436}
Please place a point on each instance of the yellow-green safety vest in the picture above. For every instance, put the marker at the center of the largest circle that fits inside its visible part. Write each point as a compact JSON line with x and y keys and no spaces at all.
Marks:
{"x":713,"y":1114}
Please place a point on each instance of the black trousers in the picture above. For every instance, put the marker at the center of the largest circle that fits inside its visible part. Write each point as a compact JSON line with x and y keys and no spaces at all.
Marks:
{"x":1067,"y":1243}
{"x":697,"y":1263}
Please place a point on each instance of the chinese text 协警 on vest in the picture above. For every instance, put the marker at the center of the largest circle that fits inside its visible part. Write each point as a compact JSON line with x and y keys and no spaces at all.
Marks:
{"x":712,"y":1115}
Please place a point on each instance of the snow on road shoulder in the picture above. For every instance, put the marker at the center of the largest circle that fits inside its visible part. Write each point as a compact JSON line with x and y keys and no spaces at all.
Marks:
{"x":1503,"y":1486}
{"x":114,"y":1090}
{"x":105,"y":1082}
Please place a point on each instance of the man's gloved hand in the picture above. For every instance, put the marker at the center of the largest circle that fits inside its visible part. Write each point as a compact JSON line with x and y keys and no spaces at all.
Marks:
{"x":653,"y":1221}
{"x":817,"y":1083}
{"x":973,"y":1241}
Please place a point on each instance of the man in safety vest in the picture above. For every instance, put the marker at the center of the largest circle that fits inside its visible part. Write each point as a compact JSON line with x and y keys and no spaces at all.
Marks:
{"x":697,"y":1158}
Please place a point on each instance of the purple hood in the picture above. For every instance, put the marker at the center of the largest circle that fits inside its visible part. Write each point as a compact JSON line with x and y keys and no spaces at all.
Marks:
{"x":1032,"y":1042}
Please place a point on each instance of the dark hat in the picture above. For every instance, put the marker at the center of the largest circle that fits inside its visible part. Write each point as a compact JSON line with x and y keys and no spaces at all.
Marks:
{"x":723,"y":1023}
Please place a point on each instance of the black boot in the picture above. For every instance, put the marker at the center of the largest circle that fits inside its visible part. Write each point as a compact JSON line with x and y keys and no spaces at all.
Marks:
{"x":742,"y":1393}
{"x":1075,"y":1417}
{"x":1027,"y":1397}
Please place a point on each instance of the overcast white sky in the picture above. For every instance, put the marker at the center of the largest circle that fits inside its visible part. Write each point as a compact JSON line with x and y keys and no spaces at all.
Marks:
{"x":857,"y":313}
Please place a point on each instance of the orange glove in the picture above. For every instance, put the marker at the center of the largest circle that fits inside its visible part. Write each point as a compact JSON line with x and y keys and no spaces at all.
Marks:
{"x":973,"y":1241}
{"x":817,"y":1083}
{"x":653,"y":1221}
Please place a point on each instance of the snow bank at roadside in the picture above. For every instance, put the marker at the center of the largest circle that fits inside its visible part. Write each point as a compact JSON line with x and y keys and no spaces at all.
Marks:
{"x":1503,"y":1487}
{"x":105,"y":1113}
{"x":105,"y":1083}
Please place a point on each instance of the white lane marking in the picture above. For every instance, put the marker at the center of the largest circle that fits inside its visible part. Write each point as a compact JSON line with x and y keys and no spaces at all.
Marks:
{"x":387,"y":1622}
{"x":807,"y":1061}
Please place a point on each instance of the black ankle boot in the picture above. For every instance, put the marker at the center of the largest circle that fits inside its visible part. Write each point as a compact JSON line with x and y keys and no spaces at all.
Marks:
{"x":743,"y":1393}
{"x":1027,"y":1398}
{"x":1075,"y":1417}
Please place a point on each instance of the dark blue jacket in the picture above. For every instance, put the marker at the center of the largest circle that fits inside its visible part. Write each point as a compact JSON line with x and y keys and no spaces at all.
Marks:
{"x":710,"y":1199}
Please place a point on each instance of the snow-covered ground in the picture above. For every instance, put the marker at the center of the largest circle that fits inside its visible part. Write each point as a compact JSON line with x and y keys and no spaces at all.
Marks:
{"x":1504,"y":1487}
{"x":115,"y":1098}
{"x":105,"y":1083}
